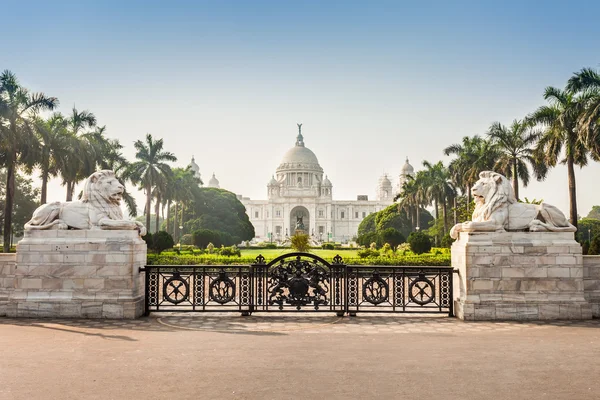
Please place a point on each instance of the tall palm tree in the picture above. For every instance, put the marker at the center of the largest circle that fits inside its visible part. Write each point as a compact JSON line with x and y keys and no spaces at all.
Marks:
{"x":473,"y":155}
{"x":150,"y":169}
{"x":18,"y":107}
{"x":439,"y":188}
{"x":183,"y":184}
{"x":559,"y":120}
{"x":515,"y":146}
{"x":588,"y":81}
{"x":83,"y":159}
{"x":54,"y":145}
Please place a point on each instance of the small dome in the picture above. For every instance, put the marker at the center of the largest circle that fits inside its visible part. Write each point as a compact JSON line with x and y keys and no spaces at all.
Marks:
{"x":214,"y":182}
{"x":385,"y":181}
{"x":195,"y":168}
{"x":273,"y":182}
{"x":407,"y":169}
{"x":327,"y":182}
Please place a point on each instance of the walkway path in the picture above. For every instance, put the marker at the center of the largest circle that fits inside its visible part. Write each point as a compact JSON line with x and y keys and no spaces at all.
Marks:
{"x":297,"y":356}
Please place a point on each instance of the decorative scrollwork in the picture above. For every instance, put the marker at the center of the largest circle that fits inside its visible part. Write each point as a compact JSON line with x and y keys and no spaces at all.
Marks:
{"x":222,"y":289}
{"x":337,"y":259}
{"x":176,"y":289}
{"x":299,"y":283}
{"x":375,"y":289}
{"x":421,"y":291}
{"x":259,"y":259}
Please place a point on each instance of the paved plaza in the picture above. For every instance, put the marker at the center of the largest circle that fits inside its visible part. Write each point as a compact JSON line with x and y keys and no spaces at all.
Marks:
{"x":307,"y":356}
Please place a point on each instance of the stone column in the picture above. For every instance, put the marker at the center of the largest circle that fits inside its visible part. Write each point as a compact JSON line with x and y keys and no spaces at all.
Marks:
{"x":78,"y":274}
{"x":519,"y":276}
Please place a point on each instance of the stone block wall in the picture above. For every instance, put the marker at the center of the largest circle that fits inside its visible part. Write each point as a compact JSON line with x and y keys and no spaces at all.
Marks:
{"x":591,"y":282}
{"x":75,"y":273}
{"x":519,"y":276}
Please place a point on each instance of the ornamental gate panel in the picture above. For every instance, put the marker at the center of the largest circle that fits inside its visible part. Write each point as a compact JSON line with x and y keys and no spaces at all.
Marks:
{"x":298,"y":282}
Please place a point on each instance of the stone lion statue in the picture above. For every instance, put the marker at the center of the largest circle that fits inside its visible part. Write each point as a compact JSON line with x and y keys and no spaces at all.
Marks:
{"x":99,"y":208}
{"x":497,"y":210}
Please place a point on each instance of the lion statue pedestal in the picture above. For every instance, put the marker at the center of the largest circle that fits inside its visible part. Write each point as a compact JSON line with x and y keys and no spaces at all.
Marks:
{"x":78,"y":259}
{"x":516,"y":261}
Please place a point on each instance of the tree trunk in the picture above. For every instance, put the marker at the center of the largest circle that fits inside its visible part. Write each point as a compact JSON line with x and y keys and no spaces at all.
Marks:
{"x":468,"y":198}
{"x":148,"y":205}
{"x":8,"y":204}
{"x":157,"y":211}
{"x":70,"y":189}
{"x":437,"y":218}
{"x":572,"y":191}
{"x":168,"y":214}
{"x":418,"y":227}
{"x":175,"y":230}
{"x":455,"y":211}
{"x":44,"y":187}
{"x":445,"y":212}
{"x":515,"y":179}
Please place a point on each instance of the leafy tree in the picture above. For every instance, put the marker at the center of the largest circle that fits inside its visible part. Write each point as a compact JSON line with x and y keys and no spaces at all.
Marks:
{"x":560,"y":136}
{"x":219,"y":210}
{"x":419,"y":242}
{"x":594,"y":213}
{"x":587,"y":229}
{"x":515,"y":146}
{"x":26,"y":201}
{"x":594,"y":246}
{"x":150,"y":169}
{"x":367,"y":225}
{"x":392,"y":236}
{"x":300,"y":242}
{"x":18,"y":108}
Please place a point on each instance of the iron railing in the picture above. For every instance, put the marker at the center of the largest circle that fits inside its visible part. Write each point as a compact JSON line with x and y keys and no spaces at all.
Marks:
{"x":297,"y":282}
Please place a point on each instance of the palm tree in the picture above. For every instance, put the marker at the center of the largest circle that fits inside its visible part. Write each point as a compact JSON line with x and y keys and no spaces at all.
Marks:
{"x":17,"y":109}
{"x":83,"y":158}
{"x":150,"y":169}
{"x":439,"y":188}
{"x":559,"y":120}
{"x":54,"y":143}
{"x":474,"y":155}
{"x":587,"y":81}
{"x":516,"y":147}
{"x":183,"y":184}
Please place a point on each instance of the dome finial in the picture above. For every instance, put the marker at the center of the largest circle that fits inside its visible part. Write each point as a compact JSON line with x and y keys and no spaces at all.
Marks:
{"x":299,"y":138}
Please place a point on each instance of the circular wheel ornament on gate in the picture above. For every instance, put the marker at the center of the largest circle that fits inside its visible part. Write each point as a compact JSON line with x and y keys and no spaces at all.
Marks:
{"x":421,"y":291}
{"x":222,"y":289}
{"x":176,"y":290}
{"x":375,"y":290}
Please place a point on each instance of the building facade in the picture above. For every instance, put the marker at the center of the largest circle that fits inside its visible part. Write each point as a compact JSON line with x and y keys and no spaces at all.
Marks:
{"x":300,"y":196}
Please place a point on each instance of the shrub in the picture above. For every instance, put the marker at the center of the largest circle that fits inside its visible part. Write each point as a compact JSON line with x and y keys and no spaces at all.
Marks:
{"x":403,"y":248}
{"x":585,"y":247}
{"x":392,"y":236}
{"x":594,"y":246}
{"x":373,"y":246}
{"x":202,"y":237}
{"x":210,"y":248}
{"x":419,"y":242}
{"x":230,"y":251}
{"x":300,"y":242}
{"x":148,"y":240}
{"x":187,"y":239}
{"x":364,"y":253}
{"x":328,"y":246}
{"x":162,"y":240}
{"x":270,"y":245}
{"x":386,"y":248}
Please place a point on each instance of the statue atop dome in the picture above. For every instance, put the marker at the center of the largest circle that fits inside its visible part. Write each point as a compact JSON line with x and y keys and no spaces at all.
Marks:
{"x":300,"y":138}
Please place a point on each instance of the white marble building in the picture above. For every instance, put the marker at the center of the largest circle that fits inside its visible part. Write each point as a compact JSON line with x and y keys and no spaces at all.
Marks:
{"x":300,"y":190}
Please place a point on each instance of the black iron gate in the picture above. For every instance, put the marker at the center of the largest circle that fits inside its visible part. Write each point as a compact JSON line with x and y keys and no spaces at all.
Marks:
{"x":298,"y":282}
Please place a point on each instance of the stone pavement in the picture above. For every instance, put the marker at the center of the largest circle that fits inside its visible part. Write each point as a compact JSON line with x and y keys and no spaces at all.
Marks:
{"x":287,"y":356}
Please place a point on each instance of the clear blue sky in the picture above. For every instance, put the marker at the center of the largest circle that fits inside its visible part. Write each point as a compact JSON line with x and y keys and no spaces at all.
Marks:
{"x":373,"y":82}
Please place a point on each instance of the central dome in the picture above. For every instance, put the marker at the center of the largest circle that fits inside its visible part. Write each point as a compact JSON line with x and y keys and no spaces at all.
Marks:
{"x":299,"y":157}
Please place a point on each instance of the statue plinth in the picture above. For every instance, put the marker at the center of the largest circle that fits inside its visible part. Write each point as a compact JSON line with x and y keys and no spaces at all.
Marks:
{"x":519,"y":276}
{"x":77,"y":274}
